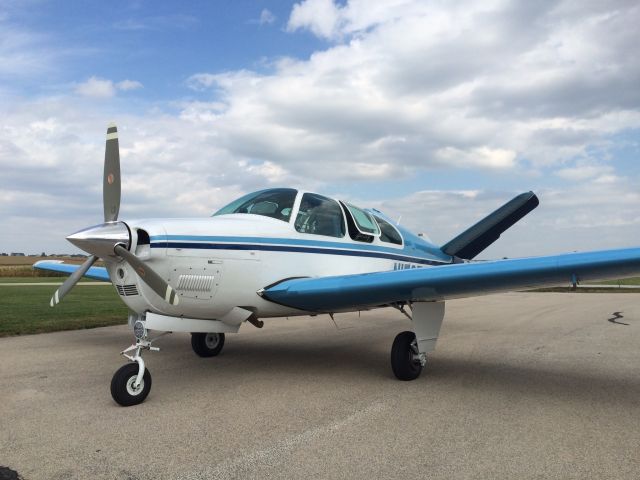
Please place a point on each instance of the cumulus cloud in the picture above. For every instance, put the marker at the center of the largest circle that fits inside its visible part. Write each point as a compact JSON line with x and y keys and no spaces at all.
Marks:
{"x":126,"y":85}
{"x":587,"y":216}
{"x":483,"y":85}
{"x":535,"y":92}
{"x":480,"y":157}
{"x":319,"y":16}
{"x":102,"y":88}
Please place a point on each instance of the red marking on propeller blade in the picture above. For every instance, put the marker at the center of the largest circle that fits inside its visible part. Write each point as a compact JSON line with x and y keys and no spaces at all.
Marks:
{"x":110,"y":178}
{"x":141,"y":271}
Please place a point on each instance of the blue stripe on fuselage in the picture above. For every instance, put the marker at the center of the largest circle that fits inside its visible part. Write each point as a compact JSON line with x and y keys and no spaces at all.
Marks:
{"x":288,"y":245}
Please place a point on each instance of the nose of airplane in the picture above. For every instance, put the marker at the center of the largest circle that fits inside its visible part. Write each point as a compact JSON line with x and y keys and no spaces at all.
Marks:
{"x":100,"y":240}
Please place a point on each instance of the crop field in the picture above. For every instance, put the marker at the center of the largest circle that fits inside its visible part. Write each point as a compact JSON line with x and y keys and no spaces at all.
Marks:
{"x":18,"y":266}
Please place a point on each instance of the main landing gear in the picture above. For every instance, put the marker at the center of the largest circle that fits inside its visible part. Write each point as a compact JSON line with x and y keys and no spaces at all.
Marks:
{"x":409,"y":349}
{"x":207,"y":344}
{"x":406,"y":361}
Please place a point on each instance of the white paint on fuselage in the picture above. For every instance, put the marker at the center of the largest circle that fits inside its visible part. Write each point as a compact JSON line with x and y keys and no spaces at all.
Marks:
{"x":239,"y":273}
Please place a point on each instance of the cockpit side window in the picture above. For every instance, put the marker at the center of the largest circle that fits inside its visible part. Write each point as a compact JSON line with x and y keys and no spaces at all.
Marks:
{"x":388,"y":233}
{"x":275,"y":203}
{"x":320,"y":215}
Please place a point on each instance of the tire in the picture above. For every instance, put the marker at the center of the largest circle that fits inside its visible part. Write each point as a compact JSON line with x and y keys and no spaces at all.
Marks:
{"x":403,"y":364}
{"x":207,"y":344}
{"x":122,"y":389}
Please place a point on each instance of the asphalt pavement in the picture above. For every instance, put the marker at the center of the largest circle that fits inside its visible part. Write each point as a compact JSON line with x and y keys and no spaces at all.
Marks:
{"x":522,"y":385}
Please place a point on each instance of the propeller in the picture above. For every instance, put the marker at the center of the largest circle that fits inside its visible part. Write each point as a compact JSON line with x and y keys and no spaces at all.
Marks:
{"x":111,"y":180}
{"x":70,"y":282}
{"x":112,"y":238}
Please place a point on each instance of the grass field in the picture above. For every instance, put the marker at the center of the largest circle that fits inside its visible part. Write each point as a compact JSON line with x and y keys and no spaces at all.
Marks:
{"x":25,"y":309}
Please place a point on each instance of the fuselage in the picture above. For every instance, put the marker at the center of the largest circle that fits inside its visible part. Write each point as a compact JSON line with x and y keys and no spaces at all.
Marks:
{"x":221,"y":262}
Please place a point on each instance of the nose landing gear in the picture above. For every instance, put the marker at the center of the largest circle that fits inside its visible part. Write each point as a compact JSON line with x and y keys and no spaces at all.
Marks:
{"x":131,"y":383}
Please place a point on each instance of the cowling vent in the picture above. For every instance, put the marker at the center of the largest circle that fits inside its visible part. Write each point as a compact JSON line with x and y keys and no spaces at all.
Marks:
{"x":127,"y":290}
{"x":195,"y":283}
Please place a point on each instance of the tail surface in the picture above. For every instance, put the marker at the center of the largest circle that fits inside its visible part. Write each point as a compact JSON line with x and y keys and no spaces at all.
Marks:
{"x":475,"y":239}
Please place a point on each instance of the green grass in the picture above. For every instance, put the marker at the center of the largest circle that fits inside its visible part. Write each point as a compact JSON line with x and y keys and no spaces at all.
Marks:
{"x":26,"y":309}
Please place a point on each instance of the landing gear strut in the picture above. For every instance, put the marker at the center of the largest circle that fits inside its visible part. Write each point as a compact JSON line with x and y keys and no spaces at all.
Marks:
{"x":131,"y":383}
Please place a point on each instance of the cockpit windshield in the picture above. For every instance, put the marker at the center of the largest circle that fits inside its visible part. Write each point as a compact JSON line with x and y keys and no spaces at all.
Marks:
{"x":275,"y":203}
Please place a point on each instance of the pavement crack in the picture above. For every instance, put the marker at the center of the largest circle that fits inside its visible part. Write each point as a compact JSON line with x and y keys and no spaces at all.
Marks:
{"x":616,"y":316}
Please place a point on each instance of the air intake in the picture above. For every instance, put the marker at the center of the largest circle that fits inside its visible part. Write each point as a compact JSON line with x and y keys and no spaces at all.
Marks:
{"x":127,"y":290}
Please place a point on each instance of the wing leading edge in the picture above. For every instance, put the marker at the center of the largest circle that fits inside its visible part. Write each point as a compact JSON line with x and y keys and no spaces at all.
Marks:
{"x":96,"y":273}
{"x":352,"y":292}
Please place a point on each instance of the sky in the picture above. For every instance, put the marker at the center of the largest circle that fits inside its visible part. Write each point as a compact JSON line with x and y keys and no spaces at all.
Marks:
{"x":434,"y":112}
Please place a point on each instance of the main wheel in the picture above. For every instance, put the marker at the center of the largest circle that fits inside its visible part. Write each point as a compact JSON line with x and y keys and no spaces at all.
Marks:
{"x":207,"y":344}
{"x":405,"y":362}
{"x":123,"y":390}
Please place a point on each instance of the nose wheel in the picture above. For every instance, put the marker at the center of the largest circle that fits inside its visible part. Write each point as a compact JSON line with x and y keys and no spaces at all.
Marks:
{"x":125,"y":389}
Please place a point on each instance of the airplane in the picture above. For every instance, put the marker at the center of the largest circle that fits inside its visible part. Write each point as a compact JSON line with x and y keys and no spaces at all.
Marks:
{"x":285,"y":252}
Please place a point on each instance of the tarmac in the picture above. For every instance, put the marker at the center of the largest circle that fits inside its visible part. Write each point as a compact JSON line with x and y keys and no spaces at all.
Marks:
{"x":522,"y":385}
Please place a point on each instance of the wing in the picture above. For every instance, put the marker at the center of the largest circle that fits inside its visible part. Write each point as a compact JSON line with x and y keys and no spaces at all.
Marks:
{"x":96,"y":273}
{"x":353,"y":292}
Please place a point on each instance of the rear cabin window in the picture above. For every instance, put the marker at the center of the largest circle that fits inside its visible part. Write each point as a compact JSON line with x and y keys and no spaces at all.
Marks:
{"x":364,"y":221}
{"x":387,"y":232}
{"x":362,"y":227}
{"x":275,"y":203}
{"x":320,"y":215}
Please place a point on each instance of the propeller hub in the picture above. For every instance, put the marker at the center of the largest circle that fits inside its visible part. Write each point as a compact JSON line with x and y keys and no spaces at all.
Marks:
{"x":100,"y":240}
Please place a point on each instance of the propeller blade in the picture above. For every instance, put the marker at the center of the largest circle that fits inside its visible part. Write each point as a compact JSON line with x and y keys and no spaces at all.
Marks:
{"x":70,"y":282}
{"x":111,"y":181}
{"x":148,"y":276}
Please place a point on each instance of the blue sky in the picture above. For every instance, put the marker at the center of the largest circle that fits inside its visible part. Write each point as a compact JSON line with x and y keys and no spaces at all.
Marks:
{"x":162,"y":43}
{"x":432,"y":111}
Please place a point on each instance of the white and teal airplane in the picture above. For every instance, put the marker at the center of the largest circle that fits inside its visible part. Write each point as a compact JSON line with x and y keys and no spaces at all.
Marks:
{"x":286,"y":252}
